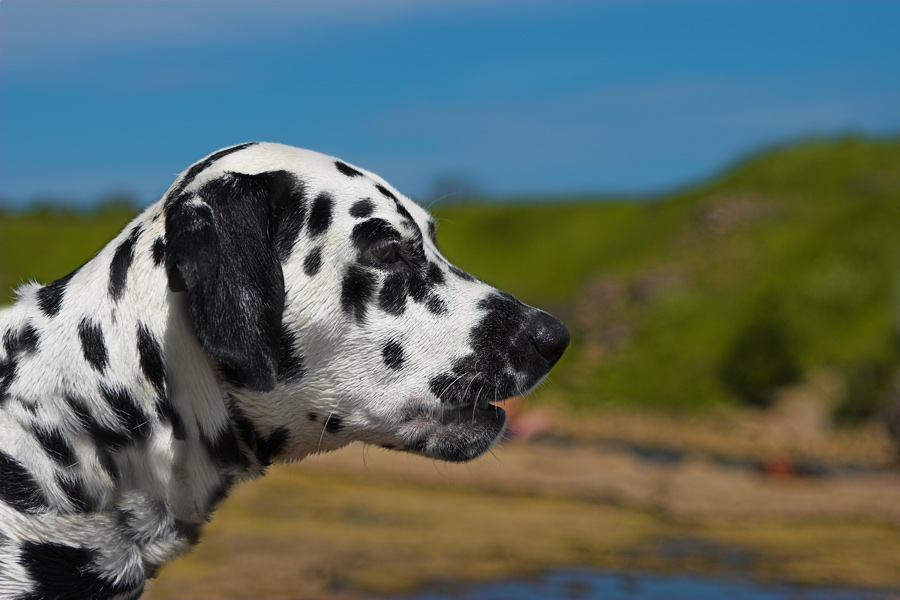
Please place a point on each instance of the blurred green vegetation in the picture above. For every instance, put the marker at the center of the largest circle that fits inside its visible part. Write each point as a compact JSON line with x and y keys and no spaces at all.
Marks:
{"x":657,"y":294}
{"x":761,"y":358}
{"x":46,"y":243}
{"x":665,"y":298}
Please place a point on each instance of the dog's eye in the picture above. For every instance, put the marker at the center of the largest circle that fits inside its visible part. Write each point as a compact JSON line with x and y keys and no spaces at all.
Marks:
{"x":386,"y":253}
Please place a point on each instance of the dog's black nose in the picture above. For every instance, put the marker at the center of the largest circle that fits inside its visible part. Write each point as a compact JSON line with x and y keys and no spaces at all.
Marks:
{"x":550,"y":337}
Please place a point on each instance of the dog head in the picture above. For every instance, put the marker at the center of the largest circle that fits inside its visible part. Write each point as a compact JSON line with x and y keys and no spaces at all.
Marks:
{"x":320,"y":292}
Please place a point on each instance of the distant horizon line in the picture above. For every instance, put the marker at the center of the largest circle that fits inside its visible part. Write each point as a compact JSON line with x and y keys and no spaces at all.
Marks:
{"x":130,"y":200}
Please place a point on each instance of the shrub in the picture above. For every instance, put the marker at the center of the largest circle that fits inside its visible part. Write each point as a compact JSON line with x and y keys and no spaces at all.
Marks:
{"x":868,"y":386}
{"x":761,"y":357}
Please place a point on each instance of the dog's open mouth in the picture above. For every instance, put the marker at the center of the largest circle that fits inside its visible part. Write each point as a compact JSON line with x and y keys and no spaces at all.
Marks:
{"x":467,"y":414}
{"x":454,"y":433}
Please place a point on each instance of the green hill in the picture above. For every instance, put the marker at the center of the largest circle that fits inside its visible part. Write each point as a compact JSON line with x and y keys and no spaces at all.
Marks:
{"x":45,"y":244}
{"x":660,"y":296}
{"x":784,"y":266}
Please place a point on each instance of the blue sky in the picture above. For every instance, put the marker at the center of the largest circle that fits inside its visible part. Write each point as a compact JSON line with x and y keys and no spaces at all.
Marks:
{"x":515,"y":98}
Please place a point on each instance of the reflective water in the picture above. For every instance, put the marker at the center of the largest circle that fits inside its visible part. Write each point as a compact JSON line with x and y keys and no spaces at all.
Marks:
{"x":584,"y":584}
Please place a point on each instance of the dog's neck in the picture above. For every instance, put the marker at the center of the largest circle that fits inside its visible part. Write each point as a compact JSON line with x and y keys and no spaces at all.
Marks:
{"x":152,"y":442}
{"x":154,"y":434}
{"x":199,"y":453}
{"x":208,"y":455}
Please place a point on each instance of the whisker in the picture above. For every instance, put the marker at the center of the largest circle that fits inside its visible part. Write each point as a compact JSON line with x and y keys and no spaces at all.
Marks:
{"x":325,"y":425}
{"x":451,"y":384}
{"x":365,"y":451}
{"x":444,"y":197}
{"x":434,"y":463}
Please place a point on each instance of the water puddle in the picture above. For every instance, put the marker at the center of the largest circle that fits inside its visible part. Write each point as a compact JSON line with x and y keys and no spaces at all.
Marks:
{"x":669,"y":456}
{"x":587,"y":584}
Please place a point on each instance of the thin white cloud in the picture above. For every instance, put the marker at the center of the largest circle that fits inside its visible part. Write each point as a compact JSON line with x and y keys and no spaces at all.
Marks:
{"x":34,"y":31}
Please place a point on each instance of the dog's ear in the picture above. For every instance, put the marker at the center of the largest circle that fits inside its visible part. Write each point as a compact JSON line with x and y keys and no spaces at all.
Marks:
{"x":221,"y":251}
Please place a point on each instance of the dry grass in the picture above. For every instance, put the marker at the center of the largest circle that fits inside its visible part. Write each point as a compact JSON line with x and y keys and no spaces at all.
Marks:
{"x":366,"y":521}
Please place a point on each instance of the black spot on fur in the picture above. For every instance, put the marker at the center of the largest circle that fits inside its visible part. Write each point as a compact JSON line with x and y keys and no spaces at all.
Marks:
{"x":418,"y":288}
{"x":312,"y":416}
{"x":288,"y":217}
{"x":132,"y":416}
{"x":108,"y":441}
{"x":362,"y":208}
{"x":92,"y":344}
{"x":461,"y":274}
{"x":224,"y":449}
{"x":50,"y":296}
{"x":414,"y":251}
{"x":442,"y":385}
{"x":121,"y":262}
{"x":19,"y":489}
{"x":188,"y":531}
{"x":245,"y":430}
{"x":153,"y":366}
{"x":385,"y":192}
{"x":434,"y":276}
{"x":435,"y":305}
{"x":56,"y":446}
{"x":11,"y":341}
{"x":75,"y":492}
{"x":166,"y":412}
{"x":30,"y":338}
{"x":333,"y":423}
{"x":313,"y":262}
{"x":230,"y":375}
{"x":82,"y":418}
{"x":8,"y":370}
{"x":62,"y":572}
{"x":107,"y":447}
{"x":432,"y":231}
{"x":265,"y":447}
{"x":26,"y":340}
{"x":392,"y":354}
{"x":392,"y":298}
{"x":219,"y":493}
{"x":151,"y":358}
{"x":356,"y":291}
{"x":200,"y":167}
{"x":159,"y":252}
{"x":105,"y":436}
{"x":347,"y":169}
{"x":368,"y":232}
{"x":290,"y":364}
{"x":407,"y":218}
{"x":28,"y":404}
{"x":320,"y":215}
{"x":268,"y":447}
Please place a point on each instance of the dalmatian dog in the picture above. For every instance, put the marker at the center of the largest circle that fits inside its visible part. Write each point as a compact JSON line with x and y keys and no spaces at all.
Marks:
{"x":275,"y":303}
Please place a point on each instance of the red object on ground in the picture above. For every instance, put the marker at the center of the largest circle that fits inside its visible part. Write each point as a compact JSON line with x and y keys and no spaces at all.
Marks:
{"x":779,"y":468}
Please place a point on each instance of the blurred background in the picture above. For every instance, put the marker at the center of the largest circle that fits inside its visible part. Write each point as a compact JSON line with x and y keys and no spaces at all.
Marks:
{"x":708,"y":194}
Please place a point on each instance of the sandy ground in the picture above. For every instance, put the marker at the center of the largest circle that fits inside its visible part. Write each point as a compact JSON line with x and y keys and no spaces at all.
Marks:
{"x":612,"y":490}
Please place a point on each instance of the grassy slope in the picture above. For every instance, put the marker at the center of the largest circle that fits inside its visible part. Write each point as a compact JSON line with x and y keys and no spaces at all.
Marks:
{"x":813,"y":228}
{"x":44,"y":245}
{"x":821,"y":237}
